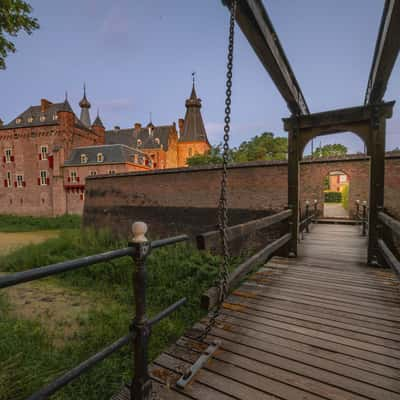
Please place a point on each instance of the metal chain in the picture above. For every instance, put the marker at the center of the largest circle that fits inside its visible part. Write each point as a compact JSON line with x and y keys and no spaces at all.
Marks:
{"x":222,"y":206}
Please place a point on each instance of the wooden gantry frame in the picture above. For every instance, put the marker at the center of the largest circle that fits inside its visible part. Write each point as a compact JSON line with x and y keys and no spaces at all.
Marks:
{"x":367,"y":121}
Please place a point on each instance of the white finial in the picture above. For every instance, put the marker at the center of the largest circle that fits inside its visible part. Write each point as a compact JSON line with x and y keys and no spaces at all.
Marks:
{"x":307,"y":202}
{"x":139,"y":230}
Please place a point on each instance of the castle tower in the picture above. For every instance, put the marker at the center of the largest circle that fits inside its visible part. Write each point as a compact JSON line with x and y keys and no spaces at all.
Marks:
{"x":85,"y":105}
{"x":193,"y":138}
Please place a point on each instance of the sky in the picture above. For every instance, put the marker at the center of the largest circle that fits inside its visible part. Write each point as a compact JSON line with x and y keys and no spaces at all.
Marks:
{"x":137,"y":58}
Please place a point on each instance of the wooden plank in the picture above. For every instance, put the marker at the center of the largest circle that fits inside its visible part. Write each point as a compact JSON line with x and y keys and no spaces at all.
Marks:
{"x":211,"y":297}
{"x":298,"y":370}
{"x":210,"y":240}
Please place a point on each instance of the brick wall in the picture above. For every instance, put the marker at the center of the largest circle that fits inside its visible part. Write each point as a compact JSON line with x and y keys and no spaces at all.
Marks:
{"x":184,"y":200}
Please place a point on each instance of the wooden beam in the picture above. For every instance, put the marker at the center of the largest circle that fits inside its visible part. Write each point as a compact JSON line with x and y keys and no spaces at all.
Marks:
{"x":390,"y":222}
{"x":389,"y":257}
{"x":337,"y":117}
{"x":210,"y":240}
{"x":210,"y":297}
{"x":256,"y":25}
{"x":386,"y":51}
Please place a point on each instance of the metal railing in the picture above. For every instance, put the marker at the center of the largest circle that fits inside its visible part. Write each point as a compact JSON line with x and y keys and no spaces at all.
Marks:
{"x":386,"y":243}
{"x":362,"y":215}
{"x":139,"y":331}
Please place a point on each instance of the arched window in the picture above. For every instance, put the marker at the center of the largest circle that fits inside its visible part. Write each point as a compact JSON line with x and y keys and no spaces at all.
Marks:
{"x":42,"y":118}
{"x":18,"y":120}
{"x":139,"y":142}
{"x":100,"y":157}
{"x":157,"y":140}
{"x":55,"y":117}
{"x":30,"y":119}
{"x":84,"y":158}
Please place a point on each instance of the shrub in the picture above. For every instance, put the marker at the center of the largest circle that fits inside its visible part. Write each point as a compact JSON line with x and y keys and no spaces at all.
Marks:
{"x":333,"y":197}
{"x":345,"y":197}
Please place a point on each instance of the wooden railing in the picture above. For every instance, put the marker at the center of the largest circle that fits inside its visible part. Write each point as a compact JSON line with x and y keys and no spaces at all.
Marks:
{"x":307,"y":219}
{"x":207,"y":241}
{"x":386,"y":243}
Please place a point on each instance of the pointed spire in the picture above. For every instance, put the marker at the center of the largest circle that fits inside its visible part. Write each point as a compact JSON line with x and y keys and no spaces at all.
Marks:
{"x":98,"y":121}
{"x":85,"y":105}
{"x":193,"y":129}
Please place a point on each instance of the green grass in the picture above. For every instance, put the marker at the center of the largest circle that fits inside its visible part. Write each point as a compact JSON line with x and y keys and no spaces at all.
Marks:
{"x":14,"y":223}
{"x":27,"y":358}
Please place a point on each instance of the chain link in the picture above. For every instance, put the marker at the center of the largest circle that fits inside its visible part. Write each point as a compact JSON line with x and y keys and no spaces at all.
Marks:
{"x":223,"y":206}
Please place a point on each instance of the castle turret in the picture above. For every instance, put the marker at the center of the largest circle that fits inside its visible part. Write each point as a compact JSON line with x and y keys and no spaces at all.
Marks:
{"x":193,"y":136}
{"x":85,"y":105}
{"x":99,"y":128}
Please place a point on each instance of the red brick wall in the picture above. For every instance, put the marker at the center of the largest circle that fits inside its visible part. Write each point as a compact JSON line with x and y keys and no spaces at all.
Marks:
{"x":186,"y":198}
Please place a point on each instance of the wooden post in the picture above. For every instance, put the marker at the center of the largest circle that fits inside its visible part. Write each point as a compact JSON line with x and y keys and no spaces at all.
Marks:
{"x":377,"y":181}
{"x":293,"y":185}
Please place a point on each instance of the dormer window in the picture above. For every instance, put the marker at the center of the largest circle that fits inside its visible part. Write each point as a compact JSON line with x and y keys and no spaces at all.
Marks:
{"x":18,"y":120}
{"x":42,"y":118}
{"x":139,"y":142}
{"x":100,"y":157}
{"x":30,"y":119}
{"x":157,"y":140}
{"x":55,"y":117}
{"x":84,"y":158}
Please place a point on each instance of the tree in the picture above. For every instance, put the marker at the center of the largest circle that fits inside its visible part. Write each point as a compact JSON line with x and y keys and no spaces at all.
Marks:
{"x":14,"y":17}
{"x":262,"y":147}
{"x":213,"y":156}
{"x":330,"y":150}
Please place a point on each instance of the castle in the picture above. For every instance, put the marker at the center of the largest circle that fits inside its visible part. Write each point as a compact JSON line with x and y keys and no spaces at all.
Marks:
{"x":47,"y":152}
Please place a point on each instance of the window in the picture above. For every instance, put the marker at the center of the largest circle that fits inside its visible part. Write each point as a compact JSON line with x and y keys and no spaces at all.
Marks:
{"x":55,"y":117}
{"x":20,"y":181}
{"x":30,"y":119}
{"x":100,"y":157}
{"x":8,"y":155}
{"x":93,"y":173}
{"x":42,"y":118}
{"x":190,"y":152}
{"x":18,"y":121}
{"x":74,"y":176}
{"x":84,"y":158}
{"x":43,"y":178}
{"x":43,"y":152}
{"x":139,"y":142}
{"x":111,"y":172}
{"x":7,"y":181}
{"x":157,"y":140}
{"x":343,"y":178}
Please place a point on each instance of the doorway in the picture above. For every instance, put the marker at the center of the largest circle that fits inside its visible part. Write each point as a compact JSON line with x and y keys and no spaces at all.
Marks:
{"x":336,"y":195}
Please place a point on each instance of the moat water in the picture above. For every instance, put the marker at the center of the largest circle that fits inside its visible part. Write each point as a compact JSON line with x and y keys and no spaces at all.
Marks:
{"x":14,"y":240}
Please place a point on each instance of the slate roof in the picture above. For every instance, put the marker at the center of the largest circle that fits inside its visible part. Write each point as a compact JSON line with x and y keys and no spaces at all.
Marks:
{"x":158,"y":137}
{"x":113,"y":154}
{"x":98,"y":122}
{"x":35,"y":112}
{"x":193,"y":129}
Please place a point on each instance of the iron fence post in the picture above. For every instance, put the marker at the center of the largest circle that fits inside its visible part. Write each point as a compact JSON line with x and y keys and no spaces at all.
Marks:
{"x":141,"y":383}
{"x":307,"y":216}
{"x":357,"y":209}
{"x":364,"y":217}
{"x":315,"y":208}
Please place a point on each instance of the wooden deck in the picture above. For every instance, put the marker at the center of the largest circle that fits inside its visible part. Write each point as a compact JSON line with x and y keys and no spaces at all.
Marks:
{"x":322,"y":326}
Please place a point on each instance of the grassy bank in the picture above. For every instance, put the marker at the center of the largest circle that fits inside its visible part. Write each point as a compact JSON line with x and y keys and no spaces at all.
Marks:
{"x":14,"y":223}
{"x":27,"y":355}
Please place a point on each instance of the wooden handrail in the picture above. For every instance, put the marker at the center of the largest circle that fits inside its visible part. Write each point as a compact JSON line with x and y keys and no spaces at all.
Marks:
{"x":207,"y":241}
{"x":390,"y":222}
{"x":211,"y":296}
{"x":389,"y":257}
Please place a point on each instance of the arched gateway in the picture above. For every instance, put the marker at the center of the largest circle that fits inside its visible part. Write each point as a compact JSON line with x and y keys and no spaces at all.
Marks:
{"x":369,"y":123}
